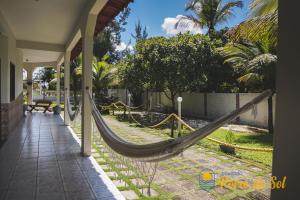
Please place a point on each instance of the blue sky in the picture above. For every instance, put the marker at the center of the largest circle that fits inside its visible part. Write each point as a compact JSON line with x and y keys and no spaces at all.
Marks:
{"x":152,"y":14}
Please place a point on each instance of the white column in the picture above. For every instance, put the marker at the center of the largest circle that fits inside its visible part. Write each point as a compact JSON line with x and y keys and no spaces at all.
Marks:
{"x":58,"y":85}
{"x":286,"y":162}
{"x":67,"y":86}
{"x":87,"y":77}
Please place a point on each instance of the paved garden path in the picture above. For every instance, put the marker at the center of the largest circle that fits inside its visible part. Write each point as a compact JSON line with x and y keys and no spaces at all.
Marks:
{"x":180,"y":176}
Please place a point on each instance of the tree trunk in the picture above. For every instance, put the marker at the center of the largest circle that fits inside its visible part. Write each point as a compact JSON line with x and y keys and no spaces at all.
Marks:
{"x":147,"y":99}
{"x":173,"y":103}
{"x":172,"y":127}
{"x":211,"y":31}
{"x":270,"y":114}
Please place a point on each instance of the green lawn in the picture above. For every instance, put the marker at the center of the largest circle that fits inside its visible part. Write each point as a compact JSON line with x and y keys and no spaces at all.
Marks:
{"x":255,"y":140}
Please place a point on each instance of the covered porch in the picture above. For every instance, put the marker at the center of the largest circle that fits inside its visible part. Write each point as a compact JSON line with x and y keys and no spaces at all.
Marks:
{"x":49,"y":34}
{"x":41,"y":160}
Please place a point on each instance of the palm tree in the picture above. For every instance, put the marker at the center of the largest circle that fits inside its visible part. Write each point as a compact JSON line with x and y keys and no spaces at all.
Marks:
{"x":256,"y":68}
{"x":208,"y":13}
{"x":262,"y":26}
{"x":103,"y":75}
{"x":263,"y":7}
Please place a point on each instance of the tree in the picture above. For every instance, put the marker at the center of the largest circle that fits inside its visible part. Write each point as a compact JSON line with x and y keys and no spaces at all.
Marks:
{"x":46,"y":74}
{"x":256,"y":68}
{"x":75,"y":80}
{"x":140,"y":33}
{"x":208,"y":13}
{"x":263,"y":7}
{"x":133,"y":76}
{"x":103,"y":76}
{"x":261,"y":27}
{"x":107,"y":40}
{"x":172,"y":65}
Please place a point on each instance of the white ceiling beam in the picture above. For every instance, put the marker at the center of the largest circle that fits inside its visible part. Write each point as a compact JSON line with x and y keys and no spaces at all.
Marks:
{"x":22,"y":44}
{"x":40,"y":64}
{"x":97,"y":7}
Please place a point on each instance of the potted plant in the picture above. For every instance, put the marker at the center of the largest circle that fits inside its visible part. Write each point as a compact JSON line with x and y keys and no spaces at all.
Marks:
{"x":229,"y":138}
{"x":56,"y":110}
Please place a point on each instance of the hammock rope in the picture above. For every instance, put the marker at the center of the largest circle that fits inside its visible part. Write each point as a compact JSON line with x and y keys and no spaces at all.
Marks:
{"x":224,"y":143}
{"x":128,"y":107}
{"x":119,"y":105}
{"x":73,"y":114}
{"x":156,"y":125}
{"x":186,"y":125}
{"x":168,"y":148}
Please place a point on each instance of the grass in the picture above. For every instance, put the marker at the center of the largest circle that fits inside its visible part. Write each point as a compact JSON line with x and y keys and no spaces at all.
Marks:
{"x":113,"y":167}
{"x":243,"y":139}
{"x":254,"y":140}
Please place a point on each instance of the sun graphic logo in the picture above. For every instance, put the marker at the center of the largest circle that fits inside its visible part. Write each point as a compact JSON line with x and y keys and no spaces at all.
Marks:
{"x":207,"y":179}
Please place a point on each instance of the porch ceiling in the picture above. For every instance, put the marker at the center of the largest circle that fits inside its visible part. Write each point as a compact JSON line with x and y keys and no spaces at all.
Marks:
{"x":35,"y":22}
{"x":44,"y":29}
{"x":42,"y":20}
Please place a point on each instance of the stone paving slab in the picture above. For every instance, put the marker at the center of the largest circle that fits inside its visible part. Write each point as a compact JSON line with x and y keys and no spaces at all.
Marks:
{"x":41,"y":160}
{"x":180,"y":176}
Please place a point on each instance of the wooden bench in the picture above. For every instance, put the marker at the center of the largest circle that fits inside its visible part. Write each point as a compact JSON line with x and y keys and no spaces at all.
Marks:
{"x":41,"y":104}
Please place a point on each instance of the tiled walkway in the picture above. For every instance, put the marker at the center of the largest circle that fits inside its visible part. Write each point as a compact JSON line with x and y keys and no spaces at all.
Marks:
{"x":179,"y":176}
{"x":41,"y":160}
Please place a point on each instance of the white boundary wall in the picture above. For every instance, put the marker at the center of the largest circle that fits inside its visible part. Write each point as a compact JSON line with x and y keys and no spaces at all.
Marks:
{"x":121,"y":94}
{"x":260,"y":117}
{"x":217,"y":104}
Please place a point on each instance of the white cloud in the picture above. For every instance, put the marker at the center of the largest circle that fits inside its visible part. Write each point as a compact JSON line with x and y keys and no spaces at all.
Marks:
{"x":169,"y":26}
{"x":122,"y":46}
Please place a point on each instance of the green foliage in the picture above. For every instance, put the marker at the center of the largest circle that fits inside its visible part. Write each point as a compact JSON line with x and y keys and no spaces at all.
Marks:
{"x":263,"y":7}
{"x":103,"y":75}
{"x":255,"y":67}
{"x":229,"y":137}
{"x":253,"y":140}
{"x":209,"y":13}
{"x":262,"y":27}
{"x":107,"y":40}
{"x":172,"y":65}
{"x":140,"y":33}
{"x":46,"y":74}
{"x":133,"y":76}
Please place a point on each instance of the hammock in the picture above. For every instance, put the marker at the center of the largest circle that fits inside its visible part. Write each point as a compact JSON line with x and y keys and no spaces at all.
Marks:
{"x":169,"y":148}
{"x":73,"y":114}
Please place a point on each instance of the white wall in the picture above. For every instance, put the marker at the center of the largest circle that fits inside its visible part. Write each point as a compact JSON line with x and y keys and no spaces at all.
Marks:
{"x":119,"y":93}
{"x":259,"y":115}
{"x":9,"y":53}
{"x":218,"y":104}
